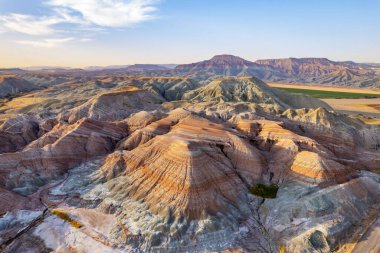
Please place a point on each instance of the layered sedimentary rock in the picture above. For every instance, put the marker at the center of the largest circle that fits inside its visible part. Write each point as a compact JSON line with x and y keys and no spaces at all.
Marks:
{"x":114,"y":105}
{"x":170,"y":88}
{"x":197,"y":167}
{"x":352,"y":131}
{"x":315,"y":168}
{"x":266,"y":130}
{"x":320,"y":70}
{"x":294,"y":156}
{"x":227,"y":65}
{"x":16,"y":132}
{"x":122,"y":170}
{"x":10,"y":86}
{"x":12,"y":201}
{"x":250,"y":89}
{"x":353,"y":141}
{"x":288,"y":70}
{"x":142,"y":119}
{"x":158,"y":127}
{"x":312,"y":219}
{"x":56,"y":152}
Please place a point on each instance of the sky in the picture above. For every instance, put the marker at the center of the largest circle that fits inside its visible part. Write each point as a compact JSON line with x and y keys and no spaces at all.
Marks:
{"x":79,"y":33}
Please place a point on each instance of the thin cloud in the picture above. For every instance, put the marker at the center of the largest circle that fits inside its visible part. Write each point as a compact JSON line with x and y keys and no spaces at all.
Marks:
{"x":28,"y":24}
{"x":109,"y":13}
{"x":84,"y":15}
{"x":85,"y":39}
{"x":49,"y":43}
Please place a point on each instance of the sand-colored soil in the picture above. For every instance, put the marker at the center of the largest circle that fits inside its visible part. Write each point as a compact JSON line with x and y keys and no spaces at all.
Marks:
{"x":325,"y":88}
{"x":370,"y":105}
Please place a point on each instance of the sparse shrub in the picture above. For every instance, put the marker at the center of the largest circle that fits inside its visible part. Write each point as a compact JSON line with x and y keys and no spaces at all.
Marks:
{"x":265,"y":191}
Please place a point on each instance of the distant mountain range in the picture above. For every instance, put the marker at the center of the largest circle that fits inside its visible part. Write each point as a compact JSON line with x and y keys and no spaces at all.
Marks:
{"x":288,"y":70}
{"x":134,"y":67}
{"x":98,"y":68}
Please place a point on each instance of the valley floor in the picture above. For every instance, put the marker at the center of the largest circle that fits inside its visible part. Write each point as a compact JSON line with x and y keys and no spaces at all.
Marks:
{"x":323,"y":88}
{"x":367,"y":107}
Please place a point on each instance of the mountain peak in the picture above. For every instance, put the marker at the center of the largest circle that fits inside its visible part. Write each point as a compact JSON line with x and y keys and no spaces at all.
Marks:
{"x":226,"y":65}
{"x":227,"y":57}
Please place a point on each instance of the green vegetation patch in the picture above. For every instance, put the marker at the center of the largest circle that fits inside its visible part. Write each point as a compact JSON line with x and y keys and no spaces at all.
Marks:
{"x":330,"y":94}
{"x":265,"y":191}
{"x":64,"y":216}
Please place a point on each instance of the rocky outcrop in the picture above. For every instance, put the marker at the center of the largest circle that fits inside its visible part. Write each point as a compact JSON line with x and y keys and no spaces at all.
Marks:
{"x":142,"y":119}
{"x":320,"y":70}
{"x":314,"y":168}
{"x":170,"y":88}
{"x":340,"y":132}
{"x":10,"y":86}
{"x":233,"y":167}
{"x":16,"y":132}
{"x":294,"y":156}
{"x":114,"y":105}
{"x":197,"y":159}
{"x":311,"y":219}
{"x":249,"y":89}
{"x":55,"y":152}
{"x":226,"y":65}
{"x":158,"y":127}
{"x":12,"y":201}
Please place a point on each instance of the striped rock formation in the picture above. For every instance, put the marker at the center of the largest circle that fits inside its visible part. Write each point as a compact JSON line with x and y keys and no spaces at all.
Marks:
{"x":57,"y":151}
{"x":292,"y":155}
{"x":132,"y":172}
{"x":315,"y":168}
{"x":16,"y":132}
{"x":198,"y":168}
{"x":142,"y":119}
{"x":114,"y":105}
{"x":251,"y":89}
{"x":159,"y":127}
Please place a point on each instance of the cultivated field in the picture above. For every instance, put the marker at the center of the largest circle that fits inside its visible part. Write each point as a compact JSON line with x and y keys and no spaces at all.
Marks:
{"x":319,"y":87}
{"x":362,"y":103}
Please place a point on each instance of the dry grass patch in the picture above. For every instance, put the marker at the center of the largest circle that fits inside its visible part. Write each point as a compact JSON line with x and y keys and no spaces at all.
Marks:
{"x":24,"y":101}
{"x":64,"y":216}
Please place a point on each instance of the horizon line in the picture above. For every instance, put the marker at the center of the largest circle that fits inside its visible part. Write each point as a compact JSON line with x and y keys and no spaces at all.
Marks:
{"x":147,"y":63}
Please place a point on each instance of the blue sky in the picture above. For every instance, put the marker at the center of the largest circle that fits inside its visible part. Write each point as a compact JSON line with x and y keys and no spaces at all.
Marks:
{"x":109,"y":32}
